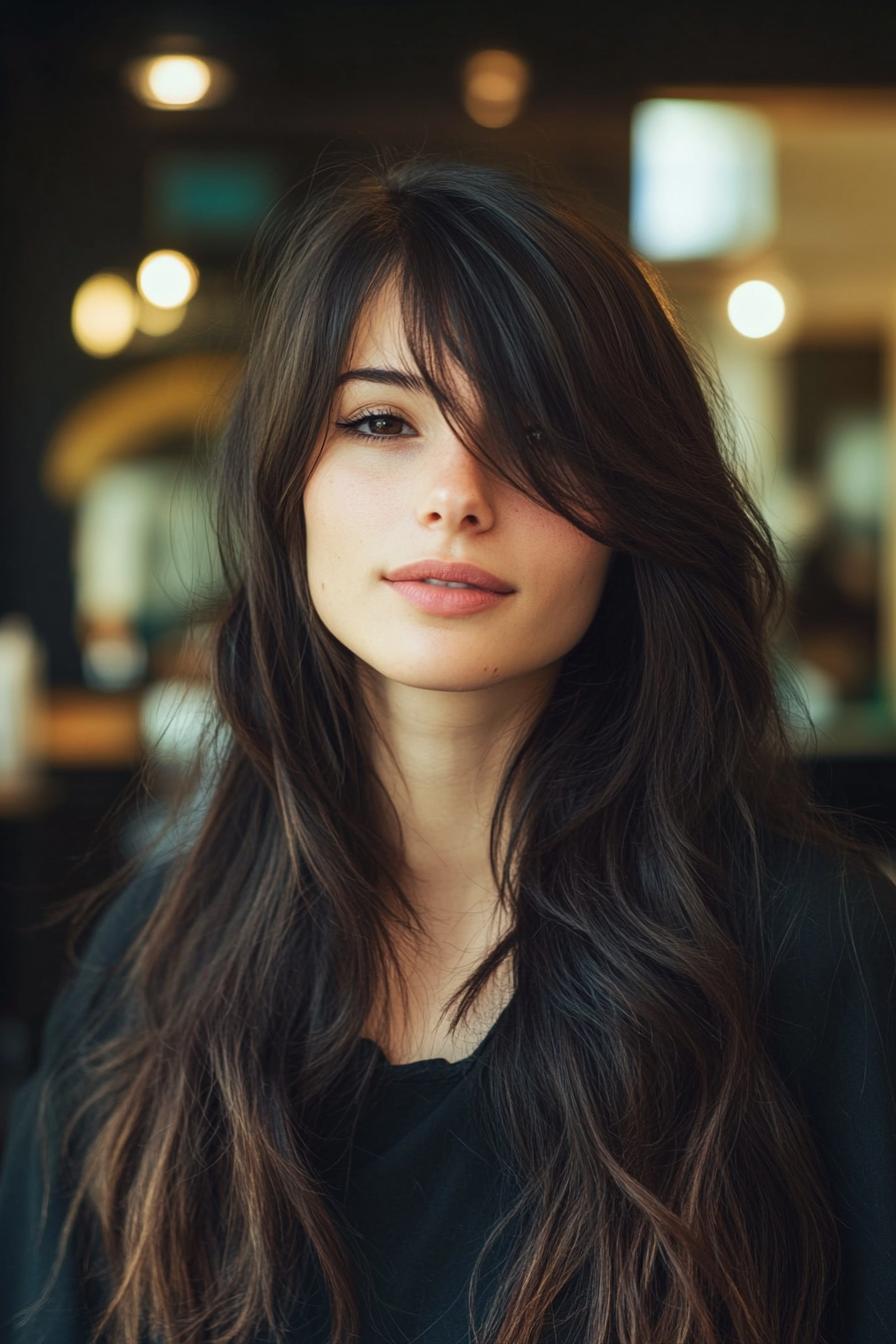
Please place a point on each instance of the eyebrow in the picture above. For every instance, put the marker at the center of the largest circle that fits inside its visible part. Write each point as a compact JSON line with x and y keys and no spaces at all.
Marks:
{"x":409,"y":382}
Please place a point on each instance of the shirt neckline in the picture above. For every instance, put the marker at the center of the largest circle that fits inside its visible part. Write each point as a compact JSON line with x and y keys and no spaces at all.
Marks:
{"x":438,"y":1064}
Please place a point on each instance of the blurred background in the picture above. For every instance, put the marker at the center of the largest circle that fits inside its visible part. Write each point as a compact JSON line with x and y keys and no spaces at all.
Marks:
{"x":750,"y":155}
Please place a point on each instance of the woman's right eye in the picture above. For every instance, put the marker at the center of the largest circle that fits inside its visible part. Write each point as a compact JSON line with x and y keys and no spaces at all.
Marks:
{"x":374,"y":418}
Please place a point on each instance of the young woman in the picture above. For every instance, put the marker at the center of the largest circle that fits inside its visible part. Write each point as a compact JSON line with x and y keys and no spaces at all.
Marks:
{"x":509,"y":985}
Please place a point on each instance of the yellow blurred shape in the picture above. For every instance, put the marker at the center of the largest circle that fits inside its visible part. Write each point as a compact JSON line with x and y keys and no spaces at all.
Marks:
{"x":104,"y":314}
{"x":178,"y":395}
{"x":494,"y":84}
{"x":82,"y":727}
{"x":167,"y":278}
{"x":155,"y":321}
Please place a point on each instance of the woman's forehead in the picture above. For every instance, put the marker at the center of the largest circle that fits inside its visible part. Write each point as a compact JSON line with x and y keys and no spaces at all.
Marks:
{"x":379,"y":341}
{"x":379,"y":333}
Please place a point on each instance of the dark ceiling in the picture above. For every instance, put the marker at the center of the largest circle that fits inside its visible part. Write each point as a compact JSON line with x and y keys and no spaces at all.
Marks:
{"x":406,"y":48}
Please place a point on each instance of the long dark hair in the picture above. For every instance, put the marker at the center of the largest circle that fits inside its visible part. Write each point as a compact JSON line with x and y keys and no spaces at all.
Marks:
{"x":663,"y":1167}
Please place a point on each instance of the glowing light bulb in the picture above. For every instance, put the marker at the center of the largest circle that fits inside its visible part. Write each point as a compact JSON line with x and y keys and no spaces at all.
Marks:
{"x":178,"y":81}
{"x":104,"y":314}
{"x":167,"y":279}
{"x":756,"y":308}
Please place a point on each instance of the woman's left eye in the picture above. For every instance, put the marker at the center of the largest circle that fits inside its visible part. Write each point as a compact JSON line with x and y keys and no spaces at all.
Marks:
{"x":375,"y":419}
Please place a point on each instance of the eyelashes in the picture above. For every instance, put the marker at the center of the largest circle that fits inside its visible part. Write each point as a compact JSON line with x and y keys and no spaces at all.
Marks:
{"x":352,"y":426}
{"x":533,"y":433}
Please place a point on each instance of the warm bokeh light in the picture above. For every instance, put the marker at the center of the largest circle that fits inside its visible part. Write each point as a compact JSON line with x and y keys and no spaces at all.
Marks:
{"x":155,"y":321}
{"x":178,"y":81}
{"x":167,"y":279}
{"x":104,"y":314}
{"x":494,"y":84}
{"x":756,"y":308}
{"x":147,"y":402}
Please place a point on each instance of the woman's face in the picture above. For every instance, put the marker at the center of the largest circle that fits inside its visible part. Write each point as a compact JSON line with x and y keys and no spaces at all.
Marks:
{"x":372,"y":505}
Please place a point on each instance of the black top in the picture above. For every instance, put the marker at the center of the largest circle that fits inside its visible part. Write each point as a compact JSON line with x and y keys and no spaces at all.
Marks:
{"x":422,"y":1193}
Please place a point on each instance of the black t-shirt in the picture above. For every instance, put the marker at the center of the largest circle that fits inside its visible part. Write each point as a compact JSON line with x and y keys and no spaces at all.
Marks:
{"x":422,"y":1189}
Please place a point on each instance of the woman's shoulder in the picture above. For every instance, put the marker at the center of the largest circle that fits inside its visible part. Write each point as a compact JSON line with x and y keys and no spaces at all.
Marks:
{"x":36,"y":1170}
{"x":123,"y":915}
{"x":822,"y":905}
{"x":92,"y":975}
{"x":830,"y":987}
{"x":831,"y":1031}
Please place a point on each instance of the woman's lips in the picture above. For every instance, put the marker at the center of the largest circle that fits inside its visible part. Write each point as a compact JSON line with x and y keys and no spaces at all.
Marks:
{"x":446,"y":601}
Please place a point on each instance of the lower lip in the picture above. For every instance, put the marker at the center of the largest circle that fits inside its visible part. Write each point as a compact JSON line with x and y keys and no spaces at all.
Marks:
{"x":446,"y":601}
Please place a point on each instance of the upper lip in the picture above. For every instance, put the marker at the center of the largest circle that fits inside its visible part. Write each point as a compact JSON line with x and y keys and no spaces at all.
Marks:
{"x":451,"y":573}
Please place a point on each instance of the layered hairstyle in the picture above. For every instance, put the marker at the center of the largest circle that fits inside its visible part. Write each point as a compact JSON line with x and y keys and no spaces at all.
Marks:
{"x":663,"y":1167}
